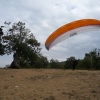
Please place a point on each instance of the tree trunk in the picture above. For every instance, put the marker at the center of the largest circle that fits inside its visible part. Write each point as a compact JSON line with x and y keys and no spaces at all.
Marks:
{"x":16,"y":61}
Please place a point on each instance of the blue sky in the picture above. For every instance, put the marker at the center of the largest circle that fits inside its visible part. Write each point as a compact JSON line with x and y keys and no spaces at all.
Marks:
{"x":42,"y":17}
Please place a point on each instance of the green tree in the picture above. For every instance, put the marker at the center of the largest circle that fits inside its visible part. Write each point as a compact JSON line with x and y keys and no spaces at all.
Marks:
{"x":20,"y":41}
{"x":87,"y":63}
{"x":94,"y":55}
{"x":97,"y":66}
{"x":42,"y":62}
{"x":69,"y":63}
{"x":80,"y":64}
{"x":1,"y":44}
{"x":54,"y":63}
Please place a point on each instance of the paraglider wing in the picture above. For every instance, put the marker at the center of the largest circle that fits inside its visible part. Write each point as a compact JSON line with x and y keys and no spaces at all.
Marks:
{"x":71,"y":29}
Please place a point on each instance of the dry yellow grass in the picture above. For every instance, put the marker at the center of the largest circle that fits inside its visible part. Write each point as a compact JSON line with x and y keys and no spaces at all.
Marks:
{"x":49,"y":84}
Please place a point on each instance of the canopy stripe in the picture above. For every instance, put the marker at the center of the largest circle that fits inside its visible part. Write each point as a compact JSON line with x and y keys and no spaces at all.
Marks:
{"x":71,"y":29}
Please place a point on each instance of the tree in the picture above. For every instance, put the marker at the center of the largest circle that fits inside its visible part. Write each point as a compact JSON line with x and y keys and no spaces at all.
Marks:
{"x":1,"y":45}
{"x":91,"y":60}
{"x":68,"y":64}
{"x":20,"y":41}
{"x":71,"y":63}
{"x":42,"y":62}
{"x":80,"y":64}
{"x":94,"y":57}
{"x":54,"y":63}
{"x":87,"y":63}
{"x":97,"y":66}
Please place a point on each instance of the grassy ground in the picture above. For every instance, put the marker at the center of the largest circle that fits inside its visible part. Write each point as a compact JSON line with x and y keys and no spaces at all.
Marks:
{"x":49,"y":84}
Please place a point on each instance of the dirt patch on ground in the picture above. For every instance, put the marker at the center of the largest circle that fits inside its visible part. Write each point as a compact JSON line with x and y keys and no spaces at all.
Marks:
{"x":49,"y":84}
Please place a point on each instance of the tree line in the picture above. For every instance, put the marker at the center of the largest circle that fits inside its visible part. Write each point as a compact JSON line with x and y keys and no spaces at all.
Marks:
{"x":19,"y":41}
{"x":91,"y":61}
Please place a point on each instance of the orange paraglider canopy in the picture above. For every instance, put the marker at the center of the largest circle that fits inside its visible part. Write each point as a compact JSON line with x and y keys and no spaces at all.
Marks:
{"x":71,"y":29}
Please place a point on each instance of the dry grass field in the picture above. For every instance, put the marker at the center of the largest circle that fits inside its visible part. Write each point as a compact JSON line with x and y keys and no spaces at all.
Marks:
{"x":49,"y":84}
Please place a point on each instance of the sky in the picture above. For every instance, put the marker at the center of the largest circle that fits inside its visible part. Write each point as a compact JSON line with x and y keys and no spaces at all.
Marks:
{"x":43,"y":17}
